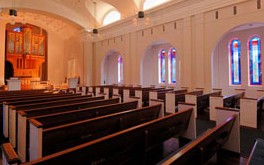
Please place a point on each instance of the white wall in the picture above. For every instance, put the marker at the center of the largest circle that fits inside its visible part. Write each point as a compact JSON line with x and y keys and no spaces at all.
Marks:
{"x":194,"y":33}
{"x":190,"y":26}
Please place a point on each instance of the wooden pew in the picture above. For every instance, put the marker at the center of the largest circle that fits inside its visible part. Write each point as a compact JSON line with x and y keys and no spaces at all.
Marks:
{"x":158,"y":93}
{"x":100,"y":89}
{"x":129,"y":91}
{"x":133,"y":145}
{"x":173,"y":98}
{"x":250,"y":108}
{"x":11,"y":116}
{"x":256,"y":155}
{"x":52,"y":120}
{"x":229,"y":101}
{"x":19,"y":118}
{"x":58,"y":138}
{"x":160,"y":96}
{"x":22,"y":91}
{"x":201,"y":101}
{"x":203,"y":148}
{"x":143,"y":94}
{"x":118,"y":91}
{"x":83,"y":90}
{"x":20,"y":97}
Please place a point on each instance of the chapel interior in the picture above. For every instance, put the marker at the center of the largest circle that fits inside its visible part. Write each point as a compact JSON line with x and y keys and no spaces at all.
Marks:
{"x":192,"y":45}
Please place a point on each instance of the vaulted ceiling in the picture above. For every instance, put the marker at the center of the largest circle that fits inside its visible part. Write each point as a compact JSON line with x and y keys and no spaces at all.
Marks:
{"x":82,"y":13}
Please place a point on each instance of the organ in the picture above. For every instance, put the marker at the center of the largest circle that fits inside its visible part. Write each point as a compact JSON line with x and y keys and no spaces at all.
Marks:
{"x":26,"y":51}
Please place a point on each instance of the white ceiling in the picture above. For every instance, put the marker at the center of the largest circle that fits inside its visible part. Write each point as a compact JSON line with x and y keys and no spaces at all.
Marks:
{"x":79,"y":12}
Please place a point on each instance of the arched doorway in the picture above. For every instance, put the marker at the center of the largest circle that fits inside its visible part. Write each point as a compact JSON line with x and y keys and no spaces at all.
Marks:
{"x":9,"y":71}
{"x":231,"y":66}
{"x":160,"y":65}
{"x":112,"y":68}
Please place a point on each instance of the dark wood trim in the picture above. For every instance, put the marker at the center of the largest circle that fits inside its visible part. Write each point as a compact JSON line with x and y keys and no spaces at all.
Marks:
{"x":191,"y":104}
{"x":10,"y":154}
{"x":36,"y":123}
{"x":227,"y":109}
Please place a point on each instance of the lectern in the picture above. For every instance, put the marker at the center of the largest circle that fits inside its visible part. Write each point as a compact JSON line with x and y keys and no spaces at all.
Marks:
{"x":13,"y":84}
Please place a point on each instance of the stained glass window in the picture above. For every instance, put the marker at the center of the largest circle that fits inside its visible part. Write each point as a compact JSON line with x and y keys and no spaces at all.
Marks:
{"x":172,"y":66}
{"x":255,"y":74}
{"x":235,"y":64}
{"x":162,"y":67}
{"x":120,"y":69}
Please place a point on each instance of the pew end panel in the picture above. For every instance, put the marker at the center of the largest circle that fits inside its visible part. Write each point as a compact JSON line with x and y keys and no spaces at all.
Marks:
{"x":115,"y":91}
{"x":21,"y":136}
{"x":170,"y":102}
{"x":153,"y":95}
{"x":9,"y":156}
{"x":248,"y":112}
{"x":193,"y":100}
{"x":215,"y":101}
{"x":157,"y":102}
{"x":35,"y":142}
{"x":126,"y":94}
{"x":97,"y":91}
{"x":12,"y":125}
{"x":190,"y":133}
{"x":107,"y":92}
{"x":5,"y":120}
{"x":233,"y":143}
{"x":139,"y":94}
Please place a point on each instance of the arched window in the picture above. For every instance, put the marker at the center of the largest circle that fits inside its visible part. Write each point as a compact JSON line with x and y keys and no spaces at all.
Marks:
{"x":120,"y":69}
{"x":234,"y":62}
{"x":255,"y":74}
{"x":111,"y":17}
{"x":172,"y":66}
{"x":153,"y":3}
{"x":162,"y":67}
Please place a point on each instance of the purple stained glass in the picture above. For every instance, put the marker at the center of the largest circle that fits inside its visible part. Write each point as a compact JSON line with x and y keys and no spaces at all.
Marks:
{"x":255,"y":61}
{"x":172,"y":66}
{"x":120,"y":69}
{"x":162,"y":67}
{"x":235,"y":63}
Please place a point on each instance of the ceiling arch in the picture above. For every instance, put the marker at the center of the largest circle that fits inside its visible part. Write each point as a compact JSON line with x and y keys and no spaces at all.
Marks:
{"x":79,"y":12}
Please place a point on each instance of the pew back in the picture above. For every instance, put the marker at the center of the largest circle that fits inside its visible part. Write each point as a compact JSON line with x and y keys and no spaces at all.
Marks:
{"x":204,"y":147}
{"x":124,"y":147}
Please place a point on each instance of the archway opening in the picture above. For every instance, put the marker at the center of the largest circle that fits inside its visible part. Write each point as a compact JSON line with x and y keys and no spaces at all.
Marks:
{"x":160,"y":65}
{"x":9,"y":71}
{"x":236,"y":61}
{"x":112,"y":68}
